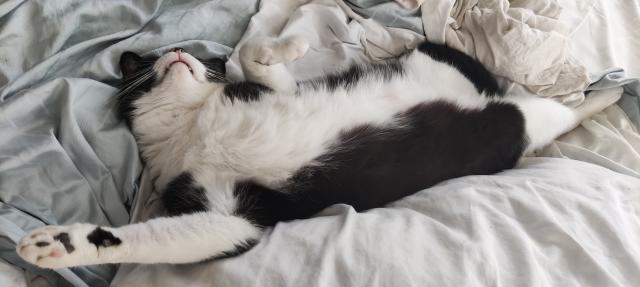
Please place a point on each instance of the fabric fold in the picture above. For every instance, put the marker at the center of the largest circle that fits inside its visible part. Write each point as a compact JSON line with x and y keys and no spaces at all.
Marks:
{"x":522,"y":42}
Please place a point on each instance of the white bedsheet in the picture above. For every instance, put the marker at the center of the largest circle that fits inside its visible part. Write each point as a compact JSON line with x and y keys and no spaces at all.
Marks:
{"x":522,"y":41}
{"x":604,"y":33}
{"x":11,"y":275}
{"x":550,"y":222}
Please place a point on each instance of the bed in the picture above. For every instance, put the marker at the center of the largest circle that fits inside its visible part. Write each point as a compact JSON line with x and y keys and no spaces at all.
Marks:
{"x":566,"y":216}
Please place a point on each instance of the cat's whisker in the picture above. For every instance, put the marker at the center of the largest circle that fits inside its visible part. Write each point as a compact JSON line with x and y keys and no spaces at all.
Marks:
{"x":213,"y":72}
{"x":131,"y":86}
{"x":137,"y":82}
{"x":140,"y":74}
{"x":210,"y":67}
{"x":217,"y":77}
{"x":216,"y":74}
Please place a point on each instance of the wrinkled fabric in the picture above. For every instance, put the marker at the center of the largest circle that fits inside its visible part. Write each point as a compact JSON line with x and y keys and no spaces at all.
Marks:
{"x":390,"y":14}
{"x":522,"y":227}
{"x":521,"y":41}
{"x":616,"y":77}
{"x":11,"y":275}
{"x":604,"y":34}
{"x":65,"y":156}
{"x":610,"y":138}
{"x":340,"y":36}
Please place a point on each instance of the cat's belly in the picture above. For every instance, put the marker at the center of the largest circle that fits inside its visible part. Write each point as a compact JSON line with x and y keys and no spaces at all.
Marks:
{"x":270,"y":140}
{"x":440,"y":142}
{"x":368,"y":166}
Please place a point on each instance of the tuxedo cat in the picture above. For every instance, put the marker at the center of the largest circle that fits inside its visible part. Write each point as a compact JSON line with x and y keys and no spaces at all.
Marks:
{"x":234,"y":158}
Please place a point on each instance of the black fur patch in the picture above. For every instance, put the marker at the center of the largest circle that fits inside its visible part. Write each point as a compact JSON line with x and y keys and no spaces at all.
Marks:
{"x":132,"y":86}
{"x":184,"y":196}
{"x":238,"y":249}
{"x":245,"y":91}
{"x":42,"y":243}
{"x":66,"y":241}
{"x":351,"y":76}
{"x":264,"y":206}
{"x":216,"y":70}
{"x":102,"y":238}
{"x":372,"y":166}
{"x":481,"y":78}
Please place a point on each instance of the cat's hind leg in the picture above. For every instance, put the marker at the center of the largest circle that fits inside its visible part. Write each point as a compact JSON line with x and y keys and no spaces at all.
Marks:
{"x":181,"y":239}
{"x":263,"y":61}
{"x":547,"y":119}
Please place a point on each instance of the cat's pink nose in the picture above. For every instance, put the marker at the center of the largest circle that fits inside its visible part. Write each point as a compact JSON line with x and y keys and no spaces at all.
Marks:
{"x":177,"y":50}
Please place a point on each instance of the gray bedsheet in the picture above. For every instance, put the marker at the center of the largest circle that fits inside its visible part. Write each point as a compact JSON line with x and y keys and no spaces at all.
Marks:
{"x":65,"y":156}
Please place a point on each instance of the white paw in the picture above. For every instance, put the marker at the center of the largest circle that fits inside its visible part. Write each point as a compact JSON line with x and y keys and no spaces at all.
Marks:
{"x":266,"y":55}
{"x":274,"y":51}
{"x":294,"y":48}
{"x":56,"y":246}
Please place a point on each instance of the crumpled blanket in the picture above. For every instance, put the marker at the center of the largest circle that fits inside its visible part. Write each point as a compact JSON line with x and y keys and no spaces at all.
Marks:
{"x":522,"y":227}
{"x":610,"y":138}
{"x":352,"y":38}
{"x":522,"y":41}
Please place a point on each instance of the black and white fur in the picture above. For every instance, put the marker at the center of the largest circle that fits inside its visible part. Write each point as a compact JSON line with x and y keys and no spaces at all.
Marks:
{"x":233,"y":158}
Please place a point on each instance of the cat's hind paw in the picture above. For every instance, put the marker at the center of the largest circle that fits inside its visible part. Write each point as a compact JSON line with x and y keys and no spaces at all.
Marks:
{"x":271,"y":51}
{"x":294,"y":47}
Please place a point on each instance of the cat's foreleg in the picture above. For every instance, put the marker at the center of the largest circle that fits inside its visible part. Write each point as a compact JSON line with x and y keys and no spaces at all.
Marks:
{"x":263,"y":61}
{"x":181,"y":239}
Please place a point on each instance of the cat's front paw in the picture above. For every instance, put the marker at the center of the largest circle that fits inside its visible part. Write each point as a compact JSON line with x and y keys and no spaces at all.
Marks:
{"x":56,"y":246}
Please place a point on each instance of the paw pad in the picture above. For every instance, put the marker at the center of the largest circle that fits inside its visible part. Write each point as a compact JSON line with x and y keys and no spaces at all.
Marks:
{"x":45,"y":244}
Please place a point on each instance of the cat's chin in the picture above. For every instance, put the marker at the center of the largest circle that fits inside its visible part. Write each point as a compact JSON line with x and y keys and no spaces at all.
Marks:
{"x":179,"y":72}
{"x":180,"y":63}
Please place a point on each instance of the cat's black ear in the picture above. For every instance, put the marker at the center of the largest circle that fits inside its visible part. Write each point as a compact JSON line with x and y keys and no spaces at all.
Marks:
{"x":130,"y":63}
{"x":217,"y":65}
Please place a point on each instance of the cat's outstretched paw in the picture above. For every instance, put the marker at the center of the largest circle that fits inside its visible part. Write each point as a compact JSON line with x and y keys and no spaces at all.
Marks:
{"x":57,"y":246}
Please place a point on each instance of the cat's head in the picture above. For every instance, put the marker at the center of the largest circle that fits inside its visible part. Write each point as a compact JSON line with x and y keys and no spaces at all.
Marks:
{"x":176,"y":70}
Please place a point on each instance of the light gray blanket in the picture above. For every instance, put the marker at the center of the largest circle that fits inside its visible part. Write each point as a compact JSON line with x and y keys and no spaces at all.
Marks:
{"x":523,"y":227}
{"x":65,"y":156}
